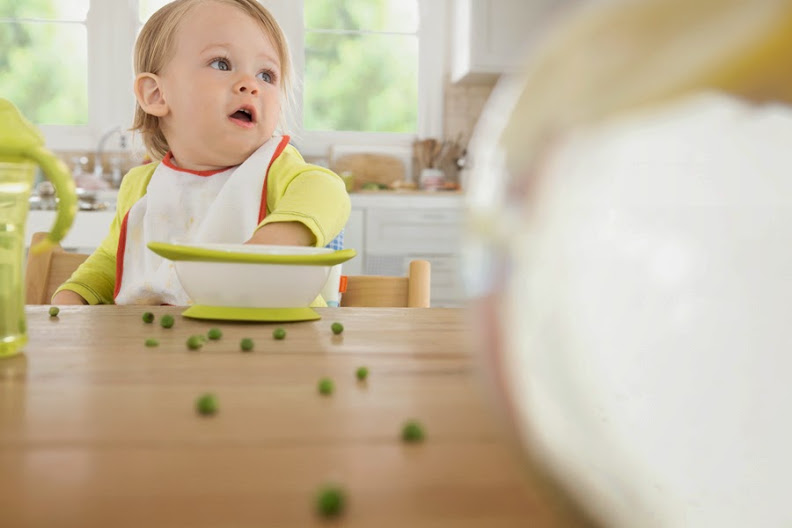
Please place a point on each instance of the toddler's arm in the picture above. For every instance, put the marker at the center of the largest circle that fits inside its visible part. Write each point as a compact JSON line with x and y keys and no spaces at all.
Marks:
{"x":283,"y":234}
{"x":308,"y":205}
{"x":68,"y":297}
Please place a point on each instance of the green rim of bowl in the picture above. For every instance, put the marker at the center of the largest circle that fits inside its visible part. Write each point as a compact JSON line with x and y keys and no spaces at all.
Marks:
{"x":191,"y":253}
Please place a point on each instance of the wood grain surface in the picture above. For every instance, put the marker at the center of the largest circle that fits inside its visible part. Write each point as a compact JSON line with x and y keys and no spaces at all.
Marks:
{"x":98,"y":430}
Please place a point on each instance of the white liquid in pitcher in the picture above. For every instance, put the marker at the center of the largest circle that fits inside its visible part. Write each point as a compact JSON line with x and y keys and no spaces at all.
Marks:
{"x":646,"y":341}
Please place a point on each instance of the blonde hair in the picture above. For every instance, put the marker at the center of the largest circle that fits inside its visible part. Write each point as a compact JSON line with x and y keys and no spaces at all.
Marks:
{"x":155,"y":47}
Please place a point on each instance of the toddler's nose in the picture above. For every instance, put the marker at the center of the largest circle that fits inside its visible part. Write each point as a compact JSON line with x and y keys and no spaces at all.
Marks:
{"x":246,"y":85}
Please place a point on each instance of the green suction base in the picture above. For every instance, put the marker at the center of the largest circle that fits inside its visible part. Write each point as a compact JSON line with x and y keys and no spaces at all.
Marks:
{"x":272,"y":315}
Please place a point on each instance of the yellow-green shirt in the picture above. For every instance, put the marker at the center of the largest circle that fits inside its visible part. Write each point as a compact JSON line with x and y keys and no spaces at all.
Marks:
{"x":296,"y":192}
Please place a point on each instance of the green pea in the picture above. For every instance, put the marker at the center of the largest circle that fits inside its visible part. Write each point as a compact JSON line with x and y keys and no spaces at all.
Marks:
{"x":330,"y":500}
{"x":413,"y":432}
{"x":337,"y":328}
{"x":215,"y":333}
{"x":166,"y":321}
{"x":148,"y":317}
{"x":54,"y":311}
{"x":326,"y":386}
{"x":194,"y":342}
{"x":152,"y":342}
{"x":246,"y":344}
{"x":207,"y":404}
{"x":361,"y":373}
{"x":279,"y":333}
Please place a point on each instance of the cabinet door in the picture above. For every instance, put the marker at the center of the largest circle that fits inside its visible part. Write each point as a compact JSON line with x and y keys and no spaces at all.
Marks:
{"x":413,"y":231}
{"x":491,"y":36}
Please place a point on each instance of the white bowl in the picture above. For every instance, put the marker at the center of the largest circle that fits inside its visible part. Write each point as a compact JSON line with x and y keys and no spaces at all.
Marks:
{"x":251,"y":276}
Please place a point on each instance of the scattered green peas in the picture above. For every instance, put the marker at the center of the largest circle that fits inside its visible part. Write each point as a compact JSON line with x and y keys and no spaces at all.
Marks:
{"x":413,"y":432}
{"x":361,"y":373}
{"x":246,"y":344}
{"x":215,"y":333}
{"x":194,"y":342}
{"x":152,"y":342}
{"x":207,"y":404}
{"x":337,"y":328}
{"x":148,"y":317}
{"x":166,"y":321}
{"x":326,"y":386}
{"x":279,"y":333}
{"x":330,"y":500}
{"x":54,"y":311}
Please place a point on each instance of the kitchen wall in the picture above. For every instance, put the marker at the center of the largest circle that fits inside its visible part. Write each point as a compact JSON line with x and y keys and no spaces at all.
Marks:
{"x":463,"y":106}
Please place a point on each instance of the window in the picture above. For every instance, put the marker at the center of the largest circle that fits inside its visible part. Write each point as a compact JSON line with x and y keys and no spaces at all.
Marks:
{"x":368,"y":71}
{"x":361,"y":65}
{"x":48,"y":88}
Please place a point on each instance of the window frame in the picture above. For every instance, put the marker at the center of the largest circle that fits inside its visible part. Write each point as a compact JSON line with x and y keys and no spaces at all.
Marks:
{"x":112,"y":27}
{"x":431,"y":69}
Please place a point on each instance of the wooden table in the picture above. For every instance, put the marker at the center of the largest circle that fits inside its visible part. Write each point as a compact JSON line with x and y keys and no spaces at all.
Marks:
{"x":98,"y":430}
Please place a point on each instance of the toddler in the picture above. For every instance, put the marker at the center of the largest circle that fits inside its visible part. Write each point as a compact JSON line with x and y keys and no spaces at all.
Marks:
{"x":212,"y":77}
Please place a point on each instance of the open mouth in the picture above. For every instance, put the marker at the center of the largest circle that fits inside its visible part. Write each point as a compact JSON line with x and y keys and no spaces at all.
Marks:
{"x":244,"y":115}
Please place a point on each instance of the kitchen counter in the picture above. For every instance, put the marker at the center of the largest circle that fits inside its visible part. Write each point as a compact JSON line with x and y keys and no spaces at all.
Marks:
{"x":407,"y":199}
{"x":87,"y":231}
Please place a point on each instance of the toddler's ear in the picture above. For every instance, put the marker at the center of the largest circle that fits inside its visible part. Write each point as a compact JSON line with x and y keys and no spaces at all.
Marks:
{"x":149,"y":94}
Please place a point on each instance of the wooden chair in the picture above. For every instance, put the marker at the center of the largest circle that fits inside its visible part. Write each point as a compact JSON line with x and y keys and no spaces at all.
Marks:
{"x":412,"y":291}
{"x":45,"y":272}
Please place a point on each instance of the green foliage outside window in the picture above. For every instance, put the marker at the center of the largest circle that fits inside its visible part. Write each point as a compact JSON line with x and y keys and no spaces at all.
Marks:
{"x":43,"y":65}
{"x":359,"y":80}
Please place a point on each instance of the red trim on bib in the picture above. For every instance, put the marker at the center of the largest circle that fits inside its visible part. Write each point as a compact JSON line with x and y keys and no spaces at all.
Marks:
{"x":168,"y":162}
{"x":120,"y":255}
{"x":263,"y":207}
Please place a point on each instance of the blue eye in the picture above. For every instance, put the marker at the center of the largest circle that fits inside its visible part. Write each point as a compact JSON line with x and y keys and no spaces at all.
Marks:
{"x":220,"y":64}
{"x":266,"y":76}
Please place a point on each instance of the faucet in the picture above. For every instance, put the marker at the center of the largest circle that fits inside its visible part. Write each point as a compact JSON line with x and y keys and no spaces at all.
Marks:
{"x":98,"y":169}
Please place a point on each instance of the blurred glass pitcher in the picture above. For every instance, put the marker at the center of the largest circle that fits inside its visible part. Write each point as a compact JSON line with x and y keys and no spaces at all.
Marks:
{"x":21,"y":151}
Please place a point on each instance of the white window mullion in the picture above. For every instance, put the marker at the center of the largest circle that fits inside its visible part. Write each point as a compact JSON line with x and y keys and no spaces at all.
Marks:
{"x":111,"y":35}
{"x":431,"y":65}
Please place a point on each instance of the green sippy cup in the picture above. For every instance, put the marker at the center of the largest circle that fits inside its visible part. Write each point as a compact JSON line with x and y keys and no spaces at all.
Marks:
{"x":21,"y":150}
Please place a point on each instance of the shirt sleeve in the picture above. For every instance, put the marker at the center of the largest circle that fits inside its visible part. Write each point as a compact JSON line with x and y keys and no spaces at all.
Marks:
{"x":305,"y":193}
{"x":94,"y":280}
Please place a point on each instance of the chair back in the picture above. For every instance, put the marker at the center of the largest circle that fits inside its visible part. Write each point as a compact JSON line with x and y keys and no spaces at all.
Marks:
{"x":45,"y":272}
{"x":372,"y":291}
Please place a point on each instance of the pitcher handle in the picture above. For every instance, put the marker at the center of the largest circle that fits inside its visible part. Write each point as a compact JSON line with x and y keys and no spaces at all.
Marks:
{"x":56,"y":172}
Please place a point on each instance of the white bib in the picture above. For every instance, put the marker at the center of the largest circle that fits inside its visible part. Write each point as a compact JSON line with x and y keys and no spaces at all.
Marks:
{"x":187,"y":207}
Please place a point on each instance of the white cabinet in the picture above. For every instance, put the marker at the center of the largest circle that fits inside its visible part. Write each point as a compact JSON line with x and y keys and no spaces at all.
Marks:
{"x":86,"y":233}
{"x":489,"y":37}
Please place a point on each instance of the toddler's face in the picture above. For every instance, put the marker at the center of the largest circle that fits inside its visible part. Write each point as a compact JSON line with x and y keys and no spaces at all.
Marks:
{"x":222,"y":87}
